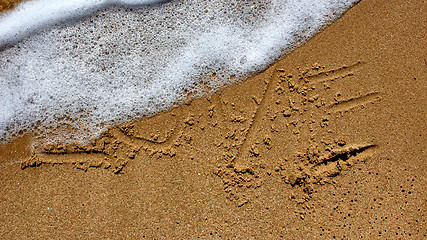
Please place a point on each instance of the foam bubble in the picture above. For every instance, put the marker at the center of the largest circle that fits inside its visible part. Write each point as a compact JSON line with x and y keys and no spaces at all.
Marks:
{"x":122,"y":63}
{"x":34,"y":15}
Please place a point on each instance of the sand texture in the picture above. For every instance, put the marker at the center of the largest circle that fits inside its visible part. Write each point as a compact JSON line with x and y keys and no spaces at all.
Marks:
{"x":328,"y":142}
{"x":6,"y":4}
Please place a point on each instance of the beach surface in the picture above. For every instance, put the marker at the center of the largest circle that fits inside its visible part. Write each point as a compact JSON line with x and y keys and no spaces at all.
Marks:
{"x":7,"y":4}
{"x":329,"y":142}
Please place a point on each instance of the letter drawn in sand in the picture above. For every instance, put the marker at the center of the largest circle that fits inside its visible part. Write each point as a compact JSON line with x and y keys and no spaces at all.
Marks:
{"x":293,"y":107}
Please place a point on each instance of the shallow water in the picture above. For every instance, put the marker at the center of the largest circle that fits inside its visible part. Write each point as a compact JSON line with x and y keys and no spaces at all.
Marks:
{"x":121,"y":63}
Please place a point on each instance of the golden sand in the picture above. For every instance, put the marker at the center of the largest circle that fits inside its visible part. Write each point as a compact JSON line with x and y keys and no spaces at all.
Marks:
{"x":8,"y":4}
{"x":328,"y":142}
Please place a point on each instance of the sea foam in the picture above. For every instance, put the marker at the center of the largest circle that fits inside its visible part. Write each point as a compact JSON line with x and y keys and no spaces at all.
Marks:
{"x":38,"y":14}
{"x":118,"y":63}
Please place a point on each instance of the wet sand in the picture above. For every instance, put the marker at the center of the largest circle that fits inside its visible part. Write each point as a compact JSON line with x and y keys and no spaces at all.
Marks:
{"x":328,"y":142}
{"x":8,"y":4}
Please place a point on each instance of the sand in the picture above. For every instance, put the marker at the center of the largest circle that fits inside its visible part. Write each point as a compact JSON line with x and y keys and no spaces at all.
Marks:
{"x":8,"y":4}
{"x":328,"y":142}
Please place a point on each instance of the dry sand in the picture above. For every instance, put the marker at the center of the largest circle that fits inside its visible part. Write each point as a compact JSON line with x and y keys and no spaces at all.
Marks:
{"x":328,"y":142}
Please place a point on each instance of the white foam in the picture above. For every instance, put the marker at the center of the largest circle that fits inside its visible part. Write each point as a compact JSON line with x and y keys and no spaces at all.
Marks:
{"x":34,"y":15}
{"x":121,"y":63}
